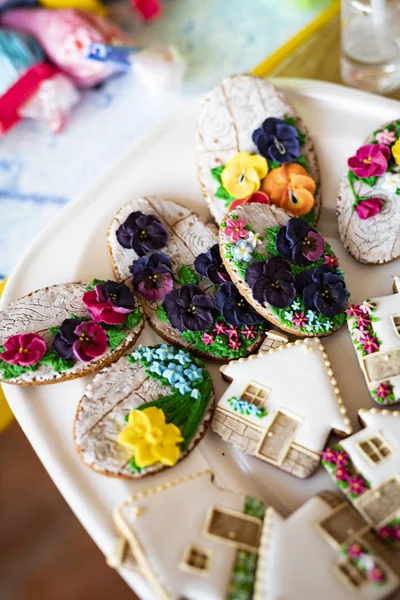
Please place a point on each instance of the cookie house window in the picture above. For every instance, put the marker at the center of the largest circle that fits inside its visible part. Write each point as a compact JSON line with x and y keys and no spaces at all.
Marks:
{"x":233,"y":528}
{"x":351,"y":574}
{"x":396,"y":323}
{"x":196,"y":560}
{"x":376,"y":448}
{"x":255,"y":394}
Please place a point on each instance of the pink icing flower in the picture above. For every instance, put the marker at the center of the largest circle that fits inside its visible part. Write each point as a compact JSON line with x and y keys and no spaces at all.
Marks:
{"x":207,"y":339}
{"x":396,"y":532}
{"x":235,"y":229}
{"x":370,"y":344}
{"x":367,"y":307}
{"x":249,"y":332}
{"x":360,"y":333}
{"x":362,"y":320}
{"x":329,"y":455}
{"x":354,"y":550}
{"x":376,"y":574}
{"x":354,"y":310}
{"x":386,"y":533}
{"x":220,"y":328}
{"x":234,"y":344}
{"x":383,"y":390}
{"x":342,"y":474}
{"x":313,"y":246}
{"x":357,"y":485}
{"x":91,"y":343}
{"x":370,"y":160}
{"x":25,"y":349}
{"x":331,"y":261}
{"x":368,"y":208}
{"x":101,"y":309}
{"x":233,"y":332}
{"x":342,"y":458}
{"x":386,"y":137}
{"x":299,"y":319}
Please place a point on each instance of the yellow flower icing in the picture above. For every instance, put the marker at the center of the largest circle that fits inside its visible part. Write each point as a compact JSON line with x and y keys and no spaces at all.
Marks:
{"x":151,"y":438}
{"x":396,"y":151}
{"x":243,"y":173}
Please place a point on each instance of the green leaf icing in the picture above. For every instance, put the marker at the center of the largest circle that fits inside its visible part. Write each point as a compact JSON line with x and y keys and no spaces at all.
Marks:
{"x":133,"y":318}
{"x":161,"y":314}
{"x":187,"y":275}
{"x":115,"y":338}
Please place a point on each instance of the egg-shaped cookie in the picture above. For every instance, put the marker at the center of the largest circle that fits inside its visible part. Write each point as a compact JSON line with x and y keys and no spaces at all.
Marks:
{"x":171,"y":258}
{"x":66,"y":331}
{"x":144,"y":413}
{"x":369,"y":196}
{"x":285,"y":269}
{"x":251,"y":144}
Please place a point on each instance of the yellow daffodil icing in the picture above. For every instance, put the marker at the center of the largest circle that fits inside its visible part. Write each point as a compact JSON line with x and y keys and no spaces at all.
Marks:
{"x":150,"y":438}
{"x":243,"y":173}
{"x":396,"y":152}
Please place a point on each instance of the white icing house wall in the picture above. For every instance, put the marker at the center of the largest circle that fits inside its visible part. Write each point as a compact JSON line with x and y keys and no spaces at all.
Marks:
{"x":210,"y":534}
{"x":340,"y":557}
{"x":282,"y":406}
{"x":366,"y":465}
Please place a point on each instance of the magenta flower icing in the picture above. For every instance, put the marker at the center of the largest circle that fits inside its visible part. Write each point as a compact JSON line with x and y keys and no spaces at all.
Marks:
{"x":102,"y":309}
{"x":329,"y":455}
{"x":91,"y":343}
{"x":357,"y":485}
{"x":331,"y":261}
{"x":207,"y":339}
{"x":383,"y":390}
{"x":362,"y":320}
{"x":354,"y":310}
{"x":249,"y":332}
{"x":24,"y":350}
{"x":386,"y":137}
{"x":368,"y":208}
{"x":342,"y":473}
{"x":299,"y":319}
{"x":233,"y":332}
{"x":370,"y":344}
{"x":370,"y":160}
{"x":354,"y":550}
{"x":376,"y":574}
{"x":234,"y":344}
{"x":386,"y":532}
{"x":220,"y":328}
{"x":342,"y":458}
{"x":235,"y":229}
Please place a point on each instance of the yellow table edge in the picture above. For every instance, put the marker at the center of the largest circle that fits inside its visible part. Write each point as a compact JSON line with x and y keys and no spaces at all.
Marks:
{"x":6,"y":415}
{"x":282,"y":53}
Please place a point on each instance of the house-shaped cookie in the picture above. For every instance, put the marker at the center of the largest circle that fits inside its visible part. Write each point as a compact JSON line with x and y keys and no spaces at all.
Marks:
{"x":375,"y":331}
{"x":282,"y":406}
{"x":366,"y":466}
{"x":324,"y":550}
{"x":192,"y":539}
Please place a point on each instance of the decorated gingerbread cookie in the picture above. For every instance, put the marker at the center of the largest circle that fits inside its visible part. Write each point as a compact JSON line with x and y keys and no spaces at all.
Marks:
{"x":213,"y":538}
{"x":374,"y":327}
{"x":252,"y":144}
{"x":272,"y":416}
{"x":367,"y":208}
{"x":171,"y":257}
{"x":144,"y":413}
{"x":340,"y":557}
{"x":366,"y":467}
{"x":66,"y":331}
{"x":285,"y":269}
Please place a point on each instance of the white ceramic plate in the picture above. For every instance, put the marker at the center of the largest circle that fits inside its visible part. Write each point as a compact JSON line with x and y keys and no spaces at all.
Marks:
{"x":73,"y":247}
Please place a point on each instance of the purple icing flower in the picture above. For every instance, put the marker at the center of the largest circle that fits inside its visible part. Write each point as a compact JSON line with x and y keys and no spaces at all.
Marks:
{"x":142,"y":233}
{"x":152,"y":276}
{"x":112,"y":309}
{"x":234,"y":308}
{"x":65,"y":338}
{"x":209,"y":264}
{"x":278,"y":141}
{"x":299,"y":242}
{"x":322,"y":289}
{"x":370,"y":160}
{"x":119,"y":295}
{"x":188,"y":307}
{"x":91,"y":341}
{"x":272,"y":281}
{"x":24,"y":349}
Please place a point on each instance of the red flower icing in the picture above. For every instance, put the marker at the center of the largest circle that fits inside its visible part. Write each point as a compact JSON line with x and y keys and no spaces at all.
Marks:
{"x":24,"y":350}
{"x":102,"y":310}
{"x":92,"y":341}
{"x":368,"y":208}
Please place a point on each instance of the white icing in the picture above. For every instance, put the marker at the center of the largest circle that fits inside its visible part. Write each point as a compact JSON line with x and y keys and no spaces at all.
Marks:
{"x":299,"y":562}
{"x":115,"y":392}
{"x":229,"y":115}
{"x":299,"y":383}
{"x":47,"y":308}
{"x":389,"y":426}
{"x":165,"y":515}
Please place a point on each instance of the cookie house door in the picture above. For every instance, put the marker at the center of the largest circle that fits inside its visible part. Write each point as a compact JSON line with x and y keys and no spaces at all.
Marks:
{"x":276,"y":442}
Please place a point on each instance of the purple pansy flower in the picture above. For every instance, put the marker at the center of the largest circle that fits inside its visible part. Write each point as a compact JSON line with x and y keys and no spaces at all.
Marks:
{"x":209,"y":264}
{"x":188,"y":307}
{"x":272,"y":281}
{"x":299,"y":242}
{"x":119,"y":295}
{"x":91,"y":341}
{"x":278,"y":141}
{"x":322,"y":289}
{"x":142,"y":233}
{"x":112,"y":309}
{"x":65,"y":338}
{"x":234,"y":308}
{"x":152,"y":276}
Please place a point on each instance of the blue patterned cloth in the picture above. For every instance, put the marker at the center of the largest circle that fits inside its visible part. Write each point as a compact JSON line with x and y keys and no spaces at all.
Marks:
{"x":40,"y":171}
